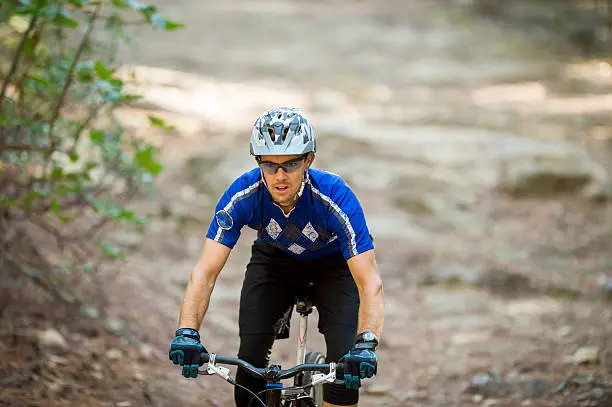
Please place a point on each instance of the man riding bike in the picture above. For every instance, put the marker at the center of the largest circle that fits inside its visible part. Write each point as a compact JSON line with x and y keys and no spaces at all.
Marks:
{"x":311,"y":230}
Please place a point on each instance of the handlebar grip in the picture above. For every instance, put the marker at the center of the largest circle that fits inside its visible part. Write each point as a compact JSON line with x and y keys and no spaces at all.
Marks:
{"x":204,"y":358}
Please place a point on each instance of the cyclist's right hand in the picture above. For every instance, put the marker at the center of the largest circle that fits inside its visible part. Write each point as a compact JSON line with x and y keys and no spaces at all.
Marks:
{"x":185,"y":351}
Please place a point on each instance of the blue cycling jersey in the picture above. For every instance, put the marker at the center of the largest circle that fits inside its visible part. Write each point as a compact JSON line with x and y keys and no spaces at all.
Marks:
{"x":327,"y":217}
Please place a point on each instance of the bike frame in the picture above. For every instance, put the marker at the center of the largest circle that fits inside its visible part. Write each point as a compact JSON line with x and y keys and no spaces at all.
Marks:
{"x":302,"y":336}
{"x":304,"y":309}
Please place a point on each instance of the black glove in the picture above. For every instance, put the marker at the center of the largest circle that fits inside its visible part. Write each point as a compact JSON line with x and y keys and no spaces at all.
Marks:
{"x":185,"y":351}
{"x":360,"y":362}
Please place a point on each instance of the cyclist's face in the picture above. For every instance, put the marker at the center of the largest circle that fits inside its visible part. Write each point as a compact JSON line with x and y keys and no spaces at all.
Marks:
{"x":284,"y":182}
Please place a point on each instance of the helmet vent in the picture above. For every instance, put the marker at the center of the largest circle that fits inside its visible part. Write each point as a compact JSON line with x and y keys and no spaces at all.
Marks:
{"x":271,"y":133}
{"x":285,"y":131}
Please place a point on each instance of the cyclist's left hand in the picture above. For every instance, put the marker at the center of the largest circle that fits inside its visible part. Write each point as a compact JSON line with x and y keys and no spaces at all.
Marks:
{"x":360,"y":363}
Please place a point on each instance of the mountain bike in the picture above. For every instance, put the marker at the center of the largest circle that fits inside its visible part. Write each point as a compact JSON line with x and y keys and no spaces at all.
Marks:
{"x":310,"y":372}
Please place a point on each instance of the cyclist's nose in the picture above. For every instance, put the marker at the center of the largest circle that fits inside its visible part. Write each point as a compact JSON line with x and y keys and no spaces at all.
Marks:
{"x":280,"y":173}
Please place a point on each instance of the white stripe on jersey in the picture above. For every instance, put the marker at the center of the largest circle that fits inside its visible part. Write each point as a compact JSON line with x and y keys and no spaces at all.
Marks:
{"x":345,"y":220}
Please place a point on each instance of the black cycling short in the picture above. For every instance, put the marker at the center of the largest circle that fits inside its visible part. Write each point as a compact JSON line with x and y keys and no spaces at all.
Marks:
{"x":272,"y":280}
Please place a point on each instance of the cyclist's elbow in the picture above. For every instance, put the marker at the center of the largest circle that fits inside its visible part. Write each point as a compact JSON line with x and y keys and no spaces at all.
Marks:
{"x":201,"y":275}
{"x":373,"y":287}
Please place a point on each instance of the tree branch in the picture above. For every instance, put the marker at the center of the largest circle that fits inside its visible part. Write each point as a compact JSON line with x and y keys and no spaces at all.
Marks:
{"x":92,"y":114}
{"x":16,"y":59}
{"x":126,"y":23}
{"x":20,"y":146}
{"x":70,"y":76}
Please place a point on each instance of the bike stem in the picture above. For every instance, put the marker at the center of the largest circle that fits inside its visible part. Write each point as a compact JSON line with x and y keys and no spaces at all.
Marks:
{"x":273,"y":384}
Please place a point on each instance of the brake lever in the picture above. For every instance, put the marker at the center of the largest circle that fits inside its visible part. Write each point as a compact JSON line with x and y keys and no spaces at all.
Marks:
{"x":322,"y":377}
{"x":212,"y":369}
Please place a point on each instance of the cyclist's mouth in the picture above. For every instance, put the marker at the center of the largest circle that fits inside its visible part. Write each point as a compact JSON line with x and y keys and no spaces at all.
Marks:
{"x":281,"y":189}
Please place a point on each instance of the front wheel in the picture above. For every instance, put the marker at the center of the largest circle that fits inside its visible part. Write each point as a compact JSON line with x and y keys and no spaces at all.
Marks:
{"x":316,"y":392}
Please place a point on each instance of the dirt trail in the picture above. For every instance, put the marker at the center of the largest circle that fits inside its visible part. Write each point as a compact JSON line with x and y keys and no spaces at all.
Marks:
{"x":365,"y":72}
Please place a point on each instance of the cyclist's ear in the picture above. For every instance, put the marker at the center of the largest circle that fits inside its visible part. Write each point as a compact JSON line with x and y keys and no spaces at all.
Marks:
{"x":309,"y":159}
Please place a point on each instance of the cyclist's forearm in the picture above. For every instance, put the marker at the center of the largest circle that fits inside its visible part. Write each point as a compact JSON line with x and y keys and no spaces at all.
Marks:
{"x":371,"y":308}
{"x":197,"y":298}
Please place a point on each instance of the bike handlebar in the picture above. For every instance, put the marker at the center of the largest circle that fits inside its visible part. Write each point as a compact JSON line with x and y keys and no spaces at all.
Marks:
{"x":277,"y":374}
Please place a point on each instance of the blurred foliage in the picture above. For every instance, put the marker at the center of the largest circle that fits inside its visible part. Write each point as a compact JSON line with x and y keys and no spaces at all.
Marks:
{"x":585,"y":24}
{"x":68,"y":167}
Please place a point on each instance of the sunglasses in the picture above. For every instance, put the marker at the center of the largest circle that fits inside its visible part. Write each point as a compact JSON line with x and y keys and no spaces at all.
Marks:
{"x":287,"y":166}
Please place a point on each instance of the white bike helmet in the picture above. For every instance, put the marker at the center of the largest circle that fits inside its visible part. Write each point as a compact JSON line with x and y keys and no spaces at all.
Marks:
{"x":282,"y":131}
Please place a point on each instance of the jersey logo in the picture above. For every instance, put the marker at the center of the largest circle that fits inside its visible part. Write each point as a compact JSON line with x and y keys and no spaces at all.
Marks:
{"x":224,"y":220}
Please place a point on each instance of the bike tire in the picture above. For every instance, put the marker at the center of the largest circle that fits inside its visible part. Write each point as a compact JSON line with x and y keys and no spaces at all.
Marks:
{"x":316,"y":392}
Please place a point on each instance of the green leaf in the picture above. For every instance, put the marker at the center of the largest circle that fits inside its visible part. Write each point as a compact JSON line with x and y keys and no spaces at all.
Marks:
{"x":158,"y":122}
{"x":113,"y":210}
{"x":97,"y":137}
{"x":65,"y":190}
{"x":160,"y":22}
{"x":157,"y":21}
{"x":37,"y":83}
{"x":138,"y":6}
{"x":110,"y":90}
{"x":6,"y":201}
{"x":115,"y":24}
{"x":128,"y":97}
{"x":25,"y":11}
{"x":88,"y":267}
{"x":56,"y":210}
{"x":55,"y":206}
{"x":77,"y":3}
{"x":86,"y":64}
{"x":29,"y":45}
{"x":28,"y":8}
{"x":172,"y":25}
{"x":103,"y":71}
{"x":145,"y":160}
{"x":141,"y":220}
{"x":57,"y":173}
{"x":90,"y":166}
{"x":74,"y":157}
{"x":110,"y":251}
{"x":85,"y":71}
{"x":134,"y":5}
{"x":60,"y":16}
{"x":121,"y":4}
{"x":65,"y":18}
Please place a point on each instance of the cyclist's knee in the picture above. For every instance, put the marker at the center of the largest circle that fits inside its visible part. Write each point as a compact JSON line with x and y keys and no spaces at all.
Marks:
{"x":255,"y":349}
{"x":338,"y":341}
{"x":339,"y":395}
